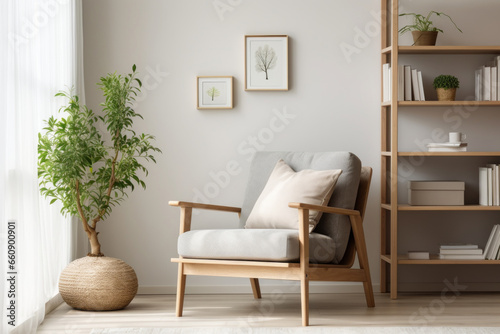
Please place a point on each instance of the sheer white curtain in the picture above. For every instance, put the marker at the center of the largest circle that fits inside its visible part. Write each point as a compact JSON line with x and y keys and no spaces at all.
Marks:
{"x":40,"y":53}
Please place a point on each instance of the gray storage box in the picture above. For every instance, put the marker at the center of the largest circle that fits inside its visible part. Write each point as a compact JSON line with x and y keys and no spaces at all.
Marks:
{"x":436,"y":192}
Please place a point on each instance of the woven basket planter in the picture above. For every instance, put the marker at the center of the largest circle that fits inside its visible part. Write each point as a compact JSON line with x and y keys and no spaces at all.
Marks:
{"x":98,"y":284}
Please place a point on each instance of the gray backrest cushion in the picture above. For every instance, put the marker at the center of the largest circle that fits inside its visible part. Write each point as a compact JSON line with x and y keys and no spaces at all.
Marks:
{"x":344,"y":196}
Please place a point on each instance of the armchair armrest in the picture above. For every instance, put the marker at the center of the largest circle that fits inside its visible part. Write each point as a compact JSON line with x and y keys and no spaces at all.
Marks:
{"x":204,"y":206}
{"x":187,"y":209}
{"x":324,"y":208}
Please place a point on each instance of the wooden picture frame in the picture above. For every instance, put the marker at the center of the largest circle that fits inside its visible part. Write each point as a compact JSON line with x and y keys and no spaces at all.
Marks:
{"x":214,"y":92}
{"x":266,"y":62}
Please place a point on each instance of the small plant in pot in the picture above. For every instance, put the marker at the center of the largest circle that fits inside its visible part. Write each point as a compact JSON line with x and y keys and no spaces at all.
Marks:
{"x":89,"y":175}
{"x":446,"y":87}
{"x":423,"y":30}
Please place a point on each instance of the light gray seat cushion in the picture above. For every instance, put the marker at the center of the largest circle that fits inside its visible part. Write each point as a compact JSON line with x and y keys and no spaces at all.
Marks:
{"x":254,"y":244}
{"x":337,"y":227}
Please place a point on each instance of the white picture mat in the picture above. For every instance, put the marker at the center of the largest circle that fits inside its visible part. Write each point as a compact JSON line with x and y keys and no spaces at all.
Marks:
{"x":278,"y":75}
{"x":224,"y":87}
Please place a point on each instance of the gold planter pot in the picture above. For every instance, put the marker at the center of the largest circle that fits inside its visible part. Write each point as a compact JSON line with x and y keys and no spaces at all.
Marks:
{"x":98,"y":284}
{"x":424,"y":37}
{"x":446,"y":94}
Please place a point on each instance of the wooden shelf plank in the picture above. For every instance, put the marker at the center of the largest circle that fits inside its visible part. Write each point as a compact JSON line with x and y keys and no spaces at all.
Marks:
{"x":449,"y":49}
{"x":434,"y":259}
{"x":386,"y":153}
{"x":449,"y":154}
{"x":445,"y":103}
{"x":406,"y":207}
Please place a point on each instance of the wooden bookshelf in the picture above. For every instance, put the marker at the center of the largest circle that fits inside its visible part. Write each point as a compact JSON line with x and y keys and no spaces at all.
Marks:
{"x":390,"y":208}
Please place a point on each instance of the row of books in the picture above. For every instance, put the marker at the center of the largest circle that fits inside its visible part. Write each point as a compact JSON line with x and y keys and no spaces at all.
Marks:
{"x":451,"y":252}
{"x":492,"y":249}
{"x":410,"y":85}
{"x":461,"y":252}
{"x":447,"y":147}
{"x":487,"y":82}
{"x":465,"y":251}
{"x":489,"y":185}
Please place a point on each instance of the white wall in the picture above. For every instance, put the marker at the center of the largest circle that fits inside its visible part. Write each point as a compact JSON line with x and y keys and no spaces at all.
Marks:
{"x":334,"y":96}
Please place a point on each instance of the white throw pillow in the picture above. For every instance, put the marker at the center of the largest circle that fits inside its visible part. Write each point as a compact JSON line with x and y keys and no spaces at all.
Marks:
{"x":284,"y":186}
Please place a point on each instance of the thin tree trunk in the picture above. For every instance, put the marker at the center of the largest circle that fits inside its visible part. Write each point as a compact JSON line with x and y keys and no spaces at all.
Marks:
{"x":266,"y":75}
{"x":95,"y":246}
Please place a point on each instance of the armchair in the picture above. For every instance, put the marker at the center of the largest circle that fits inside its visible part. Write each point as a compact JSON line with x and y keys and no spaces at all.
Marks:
{"x":327,"y":254}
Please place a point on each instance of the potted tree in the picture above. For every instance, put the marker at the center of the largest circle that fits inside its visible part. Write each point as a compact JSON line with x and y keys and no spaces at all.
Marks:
{"x":446,"y":87}
{"x":89,"y":175}
{"x":423,"y":30}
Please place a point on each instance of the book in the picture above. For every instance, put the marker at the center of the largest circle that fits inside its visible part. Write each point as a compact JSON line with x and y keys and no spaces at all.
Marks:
{"x":459,"y":246}
{"x":461,"y":256}
{"x":414,"y":84}
{"x":494,"y":84}
{"x":497,"y":184}
{"x":389,"y":92}
{"x":447,"y":149}
{"x":495,"y":245}
{"x":483,"y":186}
{"x":401,"y":82}
{"x":478,"y":93}
{"x":420,"y":86}
{"x":447,"y":144}
{"x":497,"y":63}
{"x":418,"y":255}
{"x":489,"y":243}
{"x":475,"y":251}
{"x":385,"y":82}
{"x":490,"y":185}
{"x":407,"y":83}
{"x":493,"y":183}
{"x":486,"y":84}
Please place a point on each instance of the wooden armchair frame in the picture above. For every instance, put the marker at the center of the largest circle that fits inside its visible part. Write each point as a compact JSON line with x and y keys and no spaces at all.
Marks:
{"x":302,"y":271}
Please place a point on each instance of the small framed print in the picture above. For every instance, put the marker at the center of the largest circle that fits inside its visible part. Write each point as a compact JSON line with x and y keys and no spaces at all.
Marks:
{"x":266,"y":62}
{"x":215,"y":92}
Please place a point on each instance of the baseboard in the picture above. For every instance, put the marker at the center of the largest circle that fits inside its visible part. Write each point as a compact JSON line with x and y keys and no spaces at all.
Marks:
{"x":265,"y":288}
{"x":53,"y":303}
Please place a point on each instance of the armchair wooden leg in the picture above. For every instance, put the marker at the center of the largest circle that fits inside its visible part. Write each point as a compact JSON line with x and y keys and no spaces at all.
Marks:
{"x":255,"y":288}
{"x":359,"y":236}
{"x":181,"y":287}
{"x":304,"y":264}
{"x":304,"y":296}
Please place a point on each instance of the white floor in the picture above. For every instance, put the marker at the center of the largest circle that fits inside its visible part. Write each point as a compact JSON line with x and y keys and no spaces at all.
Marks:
{"x":338,"y":310}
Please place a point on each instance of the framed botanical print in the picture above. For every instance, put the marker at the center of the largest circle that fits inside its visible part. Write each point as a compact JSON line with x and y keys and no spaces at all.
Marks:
{"x":266,"y":62}
{"x":215,"y":92}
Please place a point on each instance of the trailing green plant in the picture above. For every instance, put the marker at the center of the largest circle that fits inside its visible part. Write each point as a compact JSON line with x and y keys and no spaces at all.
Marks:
{"x":446,"y":82}
{"x":87,"y":174}
{"x":424,"y":23}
